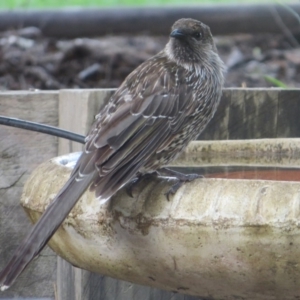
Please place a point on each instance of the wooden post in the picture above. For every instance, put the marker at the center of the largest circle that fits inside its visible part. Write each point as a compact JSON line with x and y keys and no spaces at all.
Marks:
{"x":21,"y":151}
{"x":77,"y":110}
{"x":255,"y":113}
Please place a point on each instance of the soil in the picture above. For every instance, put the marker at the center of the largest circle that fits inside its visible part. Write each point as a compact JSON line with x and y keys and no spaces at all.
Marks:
{"x":30,"y":61}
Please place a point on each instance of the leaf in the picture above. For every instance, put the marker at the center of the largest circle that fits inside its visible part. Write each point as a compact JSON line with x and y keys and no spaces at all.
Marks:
{"x":275,"y":82}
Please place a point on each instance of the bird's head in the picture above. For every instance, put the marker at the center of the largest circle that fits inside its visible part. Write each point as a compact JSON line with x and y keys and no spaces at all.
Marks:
{"x":190,"y":42}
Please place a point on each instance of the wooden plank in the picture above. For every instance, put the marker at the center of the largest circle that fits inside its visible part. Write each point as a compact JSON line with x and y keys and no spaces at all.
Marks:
{"x":255,"y":113}
{"x":20,"y":152}
{"x":105,"y":288}
{"x":77,"y":110}
{"x":288,"y":113}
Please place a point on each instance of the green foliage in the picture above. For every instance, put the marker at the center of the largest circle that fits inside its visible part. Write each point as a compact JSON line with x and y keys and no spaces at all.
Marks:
{"x":275,"y":82}
{"x":15,"y":4}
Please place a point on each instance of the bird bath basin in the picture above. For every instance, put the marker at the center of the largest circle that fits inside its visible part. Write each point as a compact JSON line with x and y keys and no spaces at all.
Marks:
{"x":232,"y":235}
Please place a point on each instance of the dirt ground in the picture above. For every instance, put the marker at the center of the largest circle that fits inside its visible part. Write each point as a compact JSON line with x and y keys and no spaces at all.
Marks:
{"x":30,"y":61}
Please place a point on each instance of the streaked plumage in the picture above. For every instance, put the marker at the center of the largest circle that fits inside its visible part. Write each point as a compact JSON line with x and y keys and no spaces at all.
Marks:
{"x":161,"y":106}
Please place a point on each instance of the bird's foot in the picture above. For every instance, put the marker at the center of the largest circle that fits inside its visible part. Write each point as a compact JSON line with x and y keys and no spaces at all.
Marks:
{"x":135,"y":181}
{"x":181,"y":179}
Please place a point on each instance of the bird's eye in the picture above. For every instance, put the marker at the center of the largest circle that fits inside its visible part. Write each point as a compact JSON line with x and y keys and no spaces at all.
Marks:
{"x":197,"y":35}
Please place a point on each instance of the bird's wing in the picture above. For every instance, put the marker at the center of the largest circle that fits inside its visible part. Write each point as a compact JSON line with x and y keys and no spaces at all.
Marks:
{"x":142,"y":115}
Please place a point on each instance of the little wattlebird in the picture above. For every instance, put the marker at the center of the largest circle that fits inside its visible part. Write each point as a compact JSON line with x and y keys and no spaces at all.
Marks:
{"x":160,"y":107}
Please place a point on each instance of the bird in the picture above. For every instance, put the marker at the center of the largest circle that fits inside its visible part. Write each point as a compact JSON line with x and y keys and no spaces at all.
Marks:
{"x":160,"y":107}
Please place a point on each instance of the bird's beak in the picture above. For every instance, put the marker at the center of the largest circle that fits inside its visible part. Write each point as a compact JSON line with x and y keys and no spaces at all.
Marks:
{"x":178,"y":34}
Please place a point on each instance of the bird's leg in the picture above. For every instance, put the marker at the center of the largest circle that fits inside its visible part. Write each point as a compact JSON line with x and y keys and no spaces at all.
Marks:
{"x":181,"y":179}
{"x":136,"y":180}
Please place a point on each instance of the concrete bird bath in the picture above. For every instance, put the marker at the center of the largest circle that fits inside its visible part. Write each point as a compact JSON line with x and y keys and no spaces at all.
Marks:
{"x":217,"y":238}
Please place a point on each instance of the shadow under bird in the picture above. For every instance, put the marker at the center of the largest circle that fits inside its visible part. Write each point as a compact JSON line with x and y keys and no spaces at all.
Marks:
{"x":160,"y":107}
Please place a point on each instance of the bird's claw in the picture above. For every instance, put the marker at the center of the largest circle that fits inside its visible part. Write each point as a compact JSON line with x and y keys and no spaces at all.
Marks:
{"x":183,"y":179}
{"x":173,"y":189}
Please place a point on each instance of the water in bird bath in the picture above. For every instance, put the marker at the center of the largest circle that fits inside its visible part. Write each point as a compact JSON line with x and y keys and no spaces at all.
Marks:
{"x":246,"y":172}
{"x":261,"y":159}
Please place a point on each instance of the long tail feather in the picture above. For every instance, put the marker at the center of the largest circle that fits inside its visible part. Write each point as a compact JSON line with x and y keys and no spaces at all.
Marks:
{"x":44,"y":229}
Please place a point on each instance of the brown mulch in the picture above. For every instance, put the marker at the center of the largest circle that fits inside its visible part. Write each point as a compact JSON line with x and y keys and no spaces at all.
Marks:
{"x":30,"y":61}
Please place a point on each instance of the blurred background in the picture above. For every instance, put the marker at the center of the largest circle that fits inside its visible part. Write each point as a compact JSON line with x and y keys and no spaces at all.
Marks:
{"x":15,"y":4}
{"x":52,"y":44}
